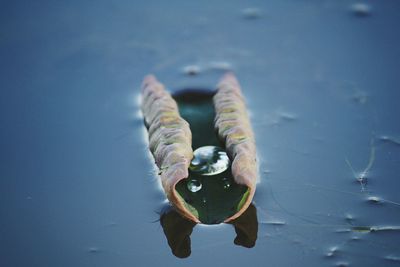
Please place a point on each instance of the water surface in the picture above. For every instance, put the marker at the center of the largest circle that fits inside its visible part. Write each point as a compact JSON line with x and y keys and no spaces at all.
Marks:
{"x":78,"y":187}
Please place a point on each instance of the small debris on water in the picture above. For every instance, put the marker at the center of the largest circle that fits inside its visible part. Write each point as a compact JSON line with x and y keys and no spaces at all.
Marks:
{"x":220,"y":66}
{"x":370,"y":229}
{"x":390,"y":139}
{"x":362,"y":229}
{"x":93,"y":250}
{"x":267,"y":171}
{"x":332,"y":251}
{"x":251,"y":13}
{"x":278,"y":117}
{"x":196,"y":69}
{"x":392,"y":258}
{"x":342,"y":230}
{"x":111,"y":224}
{"x":274,"y":222}
{"x":342,"y":263}
{"x":349,"y":218}
{"x":191,"y":70}
{"x":287,"y":116}
{"x":361,"y":177}
{"x":361,"y":9}
{"x":374,"y":199}
{"x":360,"y":97}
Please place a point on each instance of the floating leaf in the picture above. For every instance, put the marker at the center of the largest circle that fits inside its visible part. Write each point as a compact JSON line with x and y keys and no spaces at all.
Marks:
{"x":170,"y":142}
{"x":233,"y":126}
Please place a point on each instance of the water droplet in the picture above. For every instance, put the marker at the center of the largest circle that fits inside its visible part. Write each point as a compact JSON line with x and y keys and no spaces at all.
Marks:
{"x":226,"y":183}
{"x":209,"y":160}
{"x":361,"y":9}
{"x":194,"y":185}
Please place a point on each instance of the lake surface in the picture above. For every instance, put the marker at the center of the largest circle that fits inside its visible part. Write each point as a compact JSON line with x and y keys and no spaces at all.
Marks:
{"x":321,"y":78}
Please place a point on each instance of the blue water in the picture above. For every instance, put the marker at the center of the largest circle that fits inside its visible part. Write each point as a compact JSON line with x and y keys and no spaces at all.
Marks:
{"x":77,"y":184}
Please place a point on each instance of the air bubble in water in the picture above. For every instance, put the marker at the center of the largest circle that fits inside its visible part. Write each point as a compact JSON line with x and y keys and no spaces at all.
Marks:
{"x":226,"y":183}
{"x":194,"y":185}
